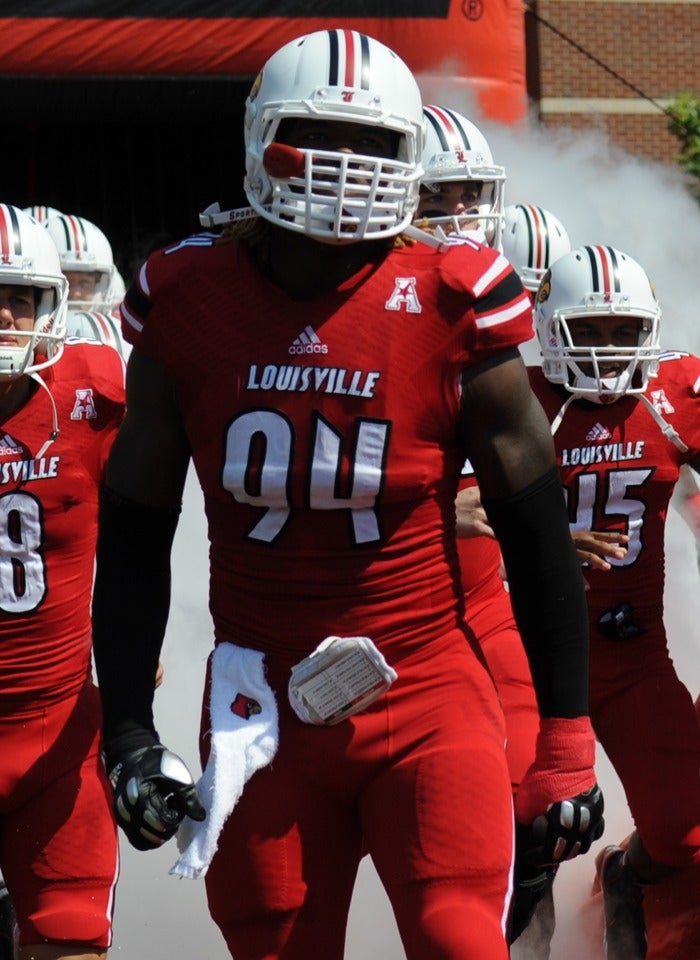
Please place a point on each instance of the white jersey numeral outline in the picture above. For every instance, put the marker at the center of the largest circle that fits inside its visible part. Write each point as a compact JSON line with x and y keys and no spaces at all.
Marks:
{"x":22,"y":564}
{"x":591,"y":503}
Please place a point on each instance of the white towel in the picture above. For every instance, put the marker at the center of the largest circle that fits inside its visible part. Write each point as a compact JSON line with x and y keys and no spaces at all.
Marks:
{"x":245,"y":734}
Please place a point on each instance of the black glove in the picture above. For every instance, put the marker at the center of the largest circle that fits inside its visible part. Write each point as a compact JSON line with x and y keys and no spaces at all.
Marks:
{"x":7,"y":924}
{"x":153,"y":791}
{"x":567,"y":829}
{"x":531,"y":883}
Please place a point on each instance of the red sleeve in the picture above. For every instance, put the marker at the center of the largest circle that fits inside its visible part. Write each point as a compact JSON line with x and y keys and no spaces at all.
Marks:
{"x":501,"y":306}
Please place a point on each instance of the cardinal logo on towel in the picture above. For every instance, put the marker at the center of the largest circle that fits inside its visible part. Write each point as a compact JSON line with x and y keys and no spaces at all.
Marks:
{"x":245,"y":707}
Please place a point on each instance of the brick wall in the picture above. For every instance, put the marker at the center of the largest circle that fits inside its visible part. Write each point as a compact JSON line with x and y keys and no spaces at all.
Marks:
{"x":651,"y":45}
{"x":645,"y":136}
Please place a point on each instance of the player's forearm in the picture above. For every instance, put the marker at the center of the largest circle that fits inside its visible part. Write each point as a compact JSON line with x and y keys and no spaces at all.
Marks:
{"x":547,"y":592}
{"x":130,"y":608}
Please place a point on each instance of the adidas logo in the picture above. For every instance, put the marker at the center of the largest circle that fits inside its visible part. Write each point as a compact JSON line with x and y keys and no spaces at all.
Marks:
{"x":308,"y":341}
{"x":598,"y":432}
{"x":9,"y":446}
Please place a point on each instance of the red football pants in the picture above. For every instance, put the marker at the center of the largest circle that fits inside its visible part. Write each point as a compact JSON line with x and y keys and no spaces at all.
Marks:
{"x":672,"y":913}
{"x":419,"y":781}
{"x":645,"y":719}
{"x":58,"y":843}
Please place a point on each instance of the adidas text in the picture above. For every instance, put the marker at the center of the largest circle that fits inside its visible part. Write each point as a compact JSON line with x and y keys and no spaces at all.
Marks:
{"x":308,"y":341}
{"x":297,"y":348}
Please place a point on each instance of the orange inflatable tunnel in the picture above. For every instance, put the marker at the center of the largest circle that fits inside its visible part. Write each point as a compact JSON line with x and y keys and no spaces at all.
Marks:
{"x":474,"y":45}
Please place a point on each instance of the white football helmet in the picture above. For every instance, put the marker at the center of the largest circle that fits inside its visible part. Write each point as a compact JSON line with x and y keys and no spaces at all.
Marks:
{"x":28,"y":258}
{"x":92,"y":325}
{"x":533,"y":239}
{"x":115,"y":294}
{"x":83,"y":248}
{"x":455,"y":151}
{"x":596,"y":281}
{"x":332,"y":196}
{"x":40,"y":213}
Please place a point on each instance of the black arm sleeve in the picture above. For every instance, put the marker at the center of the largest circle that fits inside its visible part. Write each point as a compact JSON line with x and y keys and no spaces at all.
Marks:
{"x":130,"y":608}
{"x":547,"y":592}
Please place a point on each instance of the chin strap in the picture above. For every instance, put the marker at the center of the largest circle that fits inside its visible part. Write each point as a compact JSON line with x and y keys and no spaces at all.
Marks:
{"x":54,"y":433}
{"x":668,"y":431}
{"x":436,"y":236}
{"x":556,"y":423}
{"x":214,"y":216}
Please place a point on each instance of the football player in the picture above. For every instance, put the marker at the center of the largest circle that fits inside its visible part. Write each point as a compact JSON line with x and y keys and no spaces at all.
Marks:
{"x":60,"y":408}
{"x":533,"y":238}
{"x":93,"y":325}
{"x":625,"y":419}
{"x":462,"y":195}
{"x":41,"y":213}
{"x":86,"y":260}
{"x":462,"y":190}
{"x":329,"y":385}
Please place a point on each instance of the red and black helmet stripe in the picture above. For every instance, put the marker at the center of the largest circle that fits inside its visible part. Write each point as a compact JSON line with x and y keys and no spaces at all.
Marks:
{"x":74,"y":230}
{"x":538,"y":253}
{"x":605,"y":269}
{"x":10,"y":239}
{"x":349,"y":60}
{"x":448,"y":128}
{"x":40,"y":213}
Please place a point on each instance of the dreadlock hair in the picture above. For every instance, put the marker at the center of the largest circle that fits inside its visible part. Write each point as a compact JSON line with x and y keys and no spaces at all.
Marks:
{"x":252,"y":231}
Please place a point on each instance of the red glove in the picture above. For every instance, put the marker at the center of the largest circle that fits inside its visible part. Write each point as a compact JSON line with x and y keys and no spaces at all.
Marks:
{"x":563,"y":766}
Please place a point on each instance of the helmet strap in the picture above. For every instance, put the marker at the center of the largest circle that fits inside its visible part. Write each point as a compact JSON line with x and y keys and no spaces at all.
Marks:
{"x":54,"y":433}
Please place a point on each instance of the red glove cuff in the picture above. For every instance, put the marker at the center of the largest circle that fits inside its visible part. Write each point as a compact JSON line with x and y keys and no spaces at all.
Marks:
{"x":563,"y":766}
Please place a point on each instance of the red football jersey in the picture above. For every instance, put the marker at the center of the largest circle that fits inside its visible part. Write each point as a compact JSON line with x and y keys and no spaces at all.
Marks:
{"x":619,"y":471}
{"x":325,"y":433}
{"x":48,"y":525}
